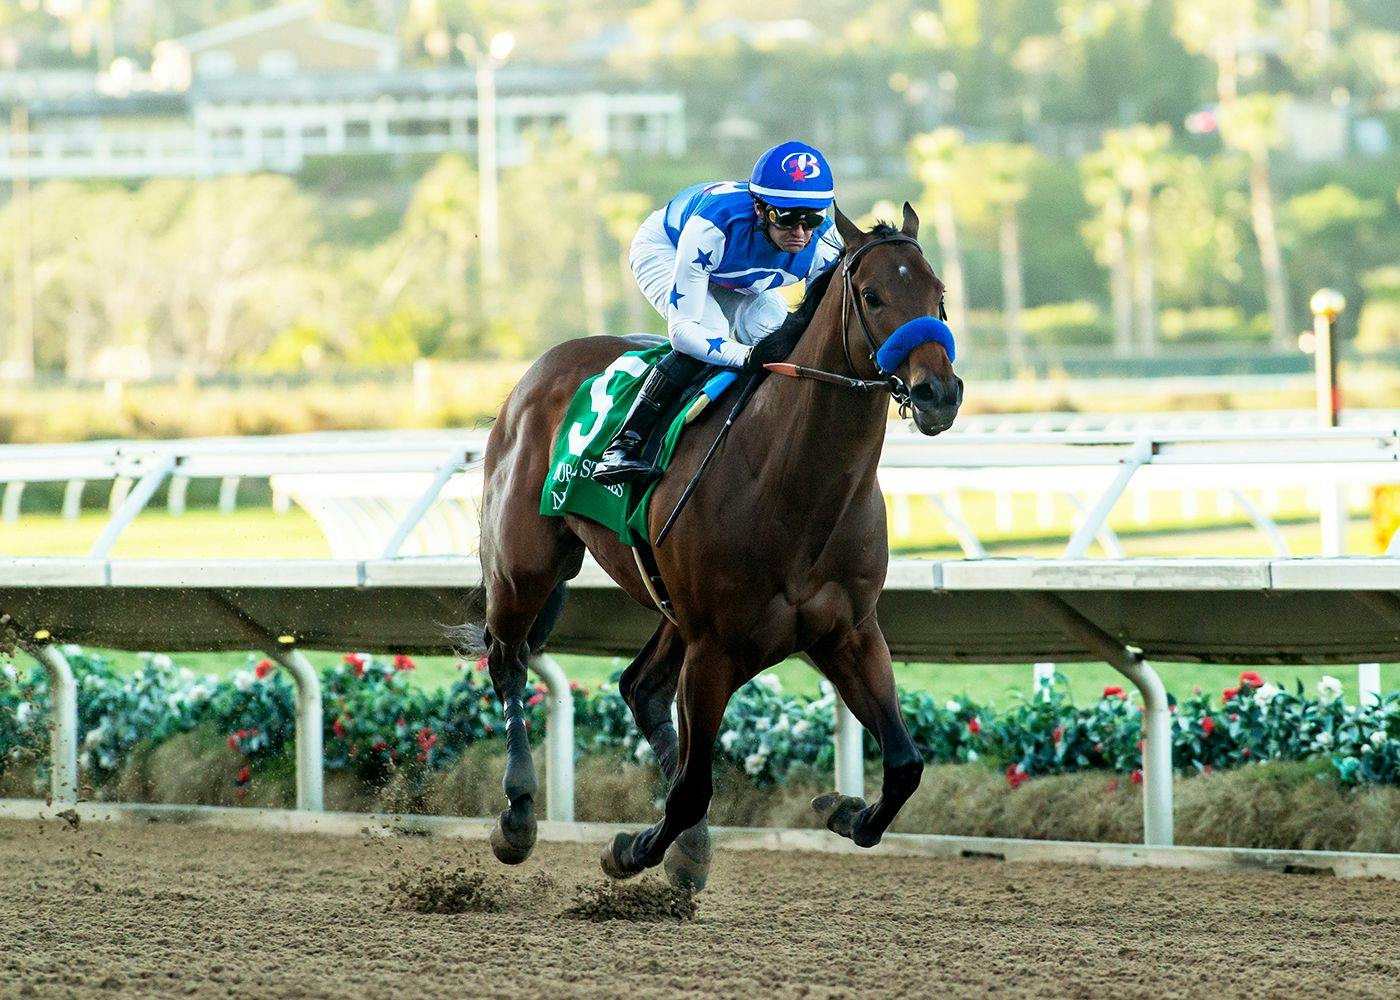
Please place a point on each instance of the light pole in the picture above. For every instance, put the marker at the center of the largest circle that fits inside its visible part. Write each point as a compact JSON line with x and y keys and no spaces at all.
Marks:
{"x":497,"y":52}
{"x":1326,"y":306}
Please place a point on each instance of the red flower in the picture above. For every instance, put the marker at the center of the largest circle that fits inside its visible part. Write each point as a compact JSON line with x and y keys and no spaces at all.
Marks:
{"x":233,"y":741}
{"x":1229,"y":693}
{"x":1136,"y":776}
{"x":402,"y":662}
{"x":973,"y":726}
{"x":1016,"y":776}
{"x":1251,"y":678}
{"x":1114,"y":691}
{"x":481,"y":663}
{"x":1112,"y":786}
{"x":357,"y":662}
{"x":380,"y":745}
{"x":1207,"y":725}
{"x":245,"y":775}
{"x":402,"y":723}
{"x":426,"y":739}
{"x":1234,"y":716}
{"x":1246,"y":752}
{"x":535,"y":699}
{"x":1058,"y":732}
{"x":262,"y":669}
{"x":338,"y":728}
{"x":1206,"y":769}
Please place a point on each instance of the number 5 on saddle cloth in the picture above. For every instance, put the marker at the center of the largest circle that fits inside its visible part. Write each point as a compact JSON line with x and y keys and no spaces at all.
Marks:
{"x":594,"y":417}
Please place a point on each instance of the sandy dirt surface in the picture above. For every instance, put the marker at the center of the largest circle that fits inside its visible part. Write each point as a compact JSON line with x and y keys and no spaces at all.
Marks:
{"x":110,"y":910}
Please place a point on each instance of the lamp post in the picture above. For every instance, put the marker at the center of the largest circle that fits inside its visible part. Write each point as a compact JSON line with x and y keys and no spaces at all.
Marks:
{"x":1326,"y":306}
{"x":497,"y":52}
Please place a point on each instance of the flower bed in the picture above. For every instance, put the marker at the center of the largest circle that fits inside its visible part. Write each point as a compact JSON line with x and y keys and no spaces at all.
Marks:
{"x":378,"y":724}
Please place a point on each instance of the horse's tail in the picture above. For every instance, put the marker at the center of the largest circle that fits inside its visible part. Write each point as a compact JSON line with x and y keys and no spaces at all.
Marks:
{"x":472,"y":640}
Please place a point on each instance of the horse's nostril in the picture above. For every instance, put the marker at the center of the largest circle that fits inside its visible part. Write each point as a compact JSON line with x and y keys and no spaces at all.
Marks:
{"x":923,"y":394}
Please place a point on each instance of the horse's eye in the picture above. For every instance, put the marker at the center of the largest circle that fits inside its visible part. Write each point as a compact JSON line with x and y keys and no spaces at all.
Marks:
{"x":871,"y":299}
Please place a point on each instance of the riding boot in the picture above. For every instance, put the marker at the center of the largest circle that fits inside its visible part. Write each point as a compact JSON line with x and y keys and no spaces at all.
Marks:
{"x":622,"y":461}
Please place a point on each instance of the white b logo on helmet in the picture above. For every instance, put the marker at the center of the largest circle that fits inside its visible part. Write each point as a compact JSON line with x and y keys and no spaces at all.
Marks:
{"x":801,"y":166}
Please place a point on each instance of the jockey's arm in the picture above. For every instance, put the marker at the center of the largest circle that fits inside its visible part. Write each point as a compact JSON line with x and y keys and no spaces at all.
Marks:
{"x":695,"y":330}
{"x":829,"y":250}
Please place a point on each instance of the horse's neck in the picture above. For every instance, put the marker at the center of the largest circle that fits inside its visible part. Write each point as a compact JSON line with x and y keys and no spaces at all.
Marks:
{"x":822,"y":441}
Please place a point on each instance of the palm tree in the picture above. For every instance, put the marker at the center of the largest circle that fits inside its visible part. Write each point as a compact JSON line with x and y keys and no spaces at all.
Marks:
{"x":1102,"y":190}
{"x":1008,"y":169}
{"x":1216,"y":28}
{"x":1252,"y":125}
{"x":939,"y":159}
{"x":1137,"y":153}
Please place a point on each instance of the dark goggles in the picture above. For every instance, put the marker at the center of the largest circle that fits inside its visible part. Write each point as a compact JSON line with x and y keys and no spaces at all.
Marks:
{"x":791,"y":218}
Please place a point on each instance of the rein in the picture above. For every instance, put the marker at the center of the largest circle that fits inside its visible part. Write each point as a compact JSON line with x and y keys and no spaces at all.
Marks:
{"x":891,"y":382}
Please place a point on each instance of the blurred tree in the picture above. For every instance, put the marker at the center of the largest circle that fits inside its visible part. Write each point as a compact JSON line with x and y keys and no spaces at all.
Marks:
{"x":1253,"y":125}
{"x":623,"y":212}
{"x":1137,"y":154}
{"x":1217,"y":28}
{"x":1106,"y":233}
{"x":940,"y":161}
{"x":1007,"y":168}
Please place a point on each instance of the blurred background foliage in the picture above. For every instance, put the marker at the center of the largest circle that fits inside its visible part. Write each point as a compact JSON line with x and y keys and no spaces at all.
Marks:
{"x":1104,"y":175}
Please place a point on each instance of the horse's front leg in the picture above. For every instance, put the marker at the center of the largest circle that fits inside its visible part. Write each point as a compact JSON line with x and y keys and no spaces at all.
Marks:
{"x":857,"y":662}
{"x":706,"y":683}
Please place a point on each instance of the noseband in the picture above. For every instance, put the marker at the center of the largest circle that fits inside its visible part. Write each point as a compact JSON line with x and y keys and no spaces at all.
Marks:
{"x":890,"y":382}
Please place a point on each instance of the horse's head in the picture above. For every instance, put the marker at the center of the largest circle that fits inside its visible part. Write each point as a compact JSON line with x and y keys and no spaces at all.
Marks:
{"x":893,"y":297}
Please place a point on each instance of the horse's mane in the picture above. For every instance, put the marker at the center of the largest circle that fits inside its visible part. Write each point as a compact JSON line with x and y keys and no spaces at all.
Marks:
{"x":801,"y":316}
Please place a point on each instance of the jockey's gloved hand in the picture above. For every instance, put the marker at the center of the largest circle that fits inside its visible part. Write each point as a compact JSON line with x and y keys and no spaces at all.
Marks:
{"x":769,"y":349}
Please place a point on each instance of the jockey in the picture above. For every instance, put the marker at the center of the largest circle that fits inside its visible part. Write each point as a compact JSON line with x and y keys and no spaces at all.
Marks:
{"x":710,"y":261}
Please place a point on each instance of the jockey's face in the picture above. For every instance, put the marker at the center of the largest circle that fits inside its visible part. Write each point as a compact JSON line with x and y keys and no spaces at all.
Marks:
{"x":789,"y":239}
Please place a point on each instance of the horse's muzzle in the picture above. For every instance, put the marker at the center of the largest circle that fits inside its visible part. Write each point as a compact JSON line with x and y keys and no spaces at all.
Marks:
{"x":935,"y":403}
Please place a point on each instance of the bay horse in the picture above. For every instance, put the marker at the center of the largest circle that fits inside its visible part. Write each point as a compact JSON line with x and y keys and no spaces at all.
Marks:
{"x":782,"y":551}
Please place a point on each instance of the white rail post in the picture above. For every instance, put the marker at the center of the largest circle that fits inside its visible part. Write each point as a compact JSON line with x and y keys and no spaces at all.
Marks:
{"x":1368,"y":679}
{"x":311,"y":760}
{"x":559,"y":739}
{"x":848,"y":737}
{"x":1156,"y":722}
{"x":63,"y":725}
{"x":1042,"y":681}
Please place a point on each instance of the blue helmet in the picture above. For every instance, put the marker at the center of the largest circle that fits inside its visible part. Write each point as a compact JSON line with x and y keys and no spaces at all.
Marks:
{"x":793,"y":175}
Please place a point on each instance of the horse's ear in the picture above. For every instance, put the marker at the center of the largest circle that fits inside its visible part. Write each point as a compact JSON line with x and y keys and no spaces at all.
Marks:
{"x":850,"y":232}
{"x":911,"y":222}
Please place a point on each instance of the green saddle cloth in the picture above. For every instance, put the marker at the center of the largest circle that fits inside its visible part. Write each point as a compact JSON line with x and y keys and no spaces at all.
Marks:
{"x":593,"y":419}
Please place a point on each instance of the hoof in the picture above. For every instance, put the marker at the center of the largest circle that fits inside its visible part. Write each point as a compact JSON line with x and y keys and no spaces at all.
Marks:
{"x":616,"y":858}
{"x":513,"y":836}
{"x":688,"y":859}
{"x":839,"y":813}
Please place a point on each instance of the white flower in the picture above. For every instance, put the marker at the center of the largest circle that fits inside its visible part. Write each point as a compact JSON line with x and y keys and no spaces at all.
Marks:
{"x":185,"y":675}
{"x":762,"y":724}
{"x":971,"y":756}
{"x":7,"y":668}
{"x":22,"y":711}
{"x":243,"y":680}
{"x":85,"y":761}
{"x":1324,"y":739}
{"x":199,"y":692}
{"x":94,"y":736}
{"x":801,"y":728}
{"x":1267,"y":693}
{"x":71,"y":649}
{"x":727,"y":741}
{"x":754,"y":762}
{"x":161,"y":662}
{"x":1365,"y":749}
{"x":1378,"y":739}
{"x":1329,"y":688}
{"x":784,"y":724}
{"x":770,"y":682}
{"x":954,"y":707}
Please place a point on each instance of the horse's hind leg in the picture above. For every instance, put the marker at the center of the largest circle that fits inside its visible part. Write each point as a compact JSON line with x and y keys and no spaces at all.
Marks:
{"x":517,"y":606}
{"x":706,"y":682}
{"x":858,"y":664}
{"x":649,"y":687}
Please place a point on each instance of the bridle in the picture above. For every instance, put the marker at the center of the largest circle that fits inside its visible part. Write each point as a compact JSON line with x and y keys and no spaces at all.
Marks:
{"x":889,"y":382}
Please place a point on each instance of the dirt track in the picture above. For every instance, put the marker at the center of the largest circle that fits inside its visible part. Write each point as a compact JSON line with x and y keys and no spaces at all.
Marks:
{"x":107,"y":910}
